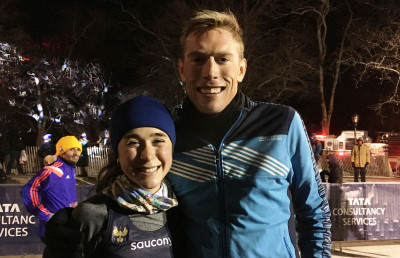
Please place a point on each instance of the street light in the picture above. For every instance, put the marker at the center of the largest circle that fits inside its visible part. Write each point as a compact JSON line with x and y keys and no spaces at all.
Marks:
{"x":355,"y":119}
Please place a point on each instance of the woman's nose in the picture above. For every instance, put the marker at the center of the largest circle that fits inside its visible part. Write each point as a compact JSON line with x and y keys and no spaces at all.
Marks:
{"x":147,"y":152}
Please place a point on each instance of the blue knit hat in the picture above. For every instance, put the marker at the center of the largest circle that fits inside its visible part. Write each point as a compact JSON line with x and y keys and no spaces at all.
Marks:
{"x":141,"y":111}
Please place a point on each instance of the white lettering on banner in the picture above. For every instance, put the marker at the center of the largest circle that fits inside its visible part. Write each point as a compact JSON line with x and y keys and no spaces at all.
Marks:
{"x":359,"y":211}
{"x":9,"y":220}
{"x":9,"y":207}
{"x":359,"y":201}
{"x":18,"y":222}
{"x":14,"y":232}
{"x":151,"y":243}
{"x":359,"y":221}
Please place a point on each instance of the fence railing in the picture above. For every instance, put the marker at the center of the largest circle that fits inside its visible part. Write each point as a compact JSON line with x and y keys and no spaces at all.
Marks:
{"x":98,"y":158}
{"x":379,"y":166}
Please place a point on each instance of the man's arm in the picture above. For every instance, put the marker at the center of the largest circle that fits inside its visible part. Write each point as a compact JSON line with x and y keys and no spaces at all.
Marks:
{"x":81,"y":229}
{"x":62,"y":237}
{"x":31,"y":195}
{"x":308,"y":195}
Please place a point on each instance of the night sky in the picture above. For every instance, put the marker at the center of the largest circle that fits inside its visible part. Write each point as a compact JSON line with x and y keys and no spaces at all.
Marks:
{"x":45,"y":21}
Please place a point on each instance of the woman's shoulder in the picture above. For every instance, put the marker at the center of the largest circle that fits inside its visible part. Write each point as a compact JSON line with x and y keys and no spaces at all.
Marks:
{"x":94,"y":209}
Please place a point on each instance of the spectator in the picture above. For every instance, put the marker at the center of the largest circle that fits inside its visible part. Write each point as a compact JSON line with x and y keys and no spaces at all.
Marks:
{"x":4,"y":148}
{"x":316,"y":147}
{"x":360,"y":159}
{"x":54,"y":187}
{"x":47,"y":148}
{"x":236,"y":160}
{"x":335,"y":173}
{"x":16,"y":146}
{"x":83,"y":161}
{"x":133,"y":197}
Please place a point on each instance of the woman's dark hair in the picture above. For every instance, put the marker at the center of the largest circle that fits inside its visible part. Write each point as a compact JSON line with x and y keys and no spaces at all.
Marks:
{"x":108,"y":174}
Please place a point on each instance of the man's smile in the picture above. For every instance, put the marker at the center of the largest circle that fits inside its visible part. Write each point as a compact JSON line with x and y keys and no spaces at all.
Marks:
{"x":210,"y":90}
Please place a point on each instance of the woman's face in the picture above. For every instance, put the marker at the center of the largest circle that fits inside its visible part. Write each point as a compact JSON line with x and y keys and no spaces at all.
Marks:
{"x":145,"y":156}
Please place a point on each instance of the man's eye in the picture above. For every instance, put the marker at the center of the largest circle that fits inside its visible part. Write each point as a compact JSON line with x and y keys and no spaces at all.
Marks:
{"x":197,"y":60}
{"x":223,"y":59}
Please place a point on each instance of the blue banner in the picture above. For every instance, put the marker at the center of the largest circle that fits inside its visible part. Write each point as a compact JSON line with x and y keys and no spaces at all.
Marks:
{"x":364,"y":211}
{"x":360,"y":211}
{"x":18,"y":227}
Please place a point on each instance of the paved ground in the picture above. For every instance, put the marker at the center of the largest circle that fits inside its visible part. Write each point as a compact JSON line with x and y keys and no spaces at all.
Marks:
{"x":366,"y":249}
{"x":360,"y":249}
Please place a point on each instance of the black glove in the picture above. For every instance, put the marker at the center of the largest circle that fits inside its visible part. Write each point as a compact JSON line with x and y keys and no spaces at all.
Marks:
{"x":62,"y":236}
{"x":352,"y":163}
{"x":366,"y":164}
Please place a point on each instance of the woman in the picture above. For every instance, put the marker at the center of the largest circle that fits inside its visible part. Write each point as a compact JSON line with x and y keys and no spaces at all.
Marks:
{"x":127,"y":218}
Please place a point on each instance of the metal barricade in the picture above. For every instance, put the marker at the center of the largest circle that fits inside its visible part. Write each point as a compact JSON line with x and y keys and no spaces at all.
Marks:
{"x":379,"y":166}
{"x":98,"y":158}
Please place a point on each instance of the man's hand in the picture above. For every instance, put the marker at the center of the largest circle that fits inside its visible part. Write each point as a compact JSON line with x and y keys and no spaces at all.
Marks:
{"x":49,"y":159}
{"x":352,"y":163}
{"x":62,"y":236}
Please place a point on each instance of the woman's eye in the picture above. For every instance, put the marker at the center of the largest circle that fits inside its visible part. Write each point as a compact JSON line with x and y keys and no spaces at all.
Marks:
{"x":159,"y":141}
{"x":131,"y":143}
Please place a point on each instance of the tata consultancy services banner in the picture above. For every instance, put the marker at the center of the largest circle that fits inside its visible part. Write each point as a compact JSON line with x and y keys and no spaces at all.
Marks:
{"x":364,"y":211}
{"x":18,"y":227}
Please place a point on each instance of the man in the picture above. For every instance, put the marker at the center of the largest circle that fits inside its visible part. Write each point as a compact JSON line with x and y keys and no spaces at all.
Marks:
{"x":316,"y":147}
{"x":47,"y":148}
{"x":16,"y":146}
{"x":360,"y":158}
{"x":54,"y":187}
{"x":83,"y":161}
{"x":236,"y":161}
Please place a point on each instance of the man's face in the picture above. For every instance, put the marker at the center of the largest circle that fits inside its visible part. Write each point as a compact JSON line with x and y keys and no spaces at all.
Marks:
{"x":72,"y":155}
{"x":211,"y":69}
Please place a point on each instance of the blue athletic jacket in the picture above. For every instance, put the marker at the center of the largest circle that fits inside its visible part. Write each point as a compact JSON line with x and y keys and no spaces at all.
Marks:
{"x":52,"y":188}
{"x":235,"y":197}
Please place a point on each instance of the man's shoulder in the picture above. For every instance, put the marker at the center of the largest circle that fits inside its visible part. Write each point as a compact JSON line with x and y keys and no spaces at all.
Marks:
{"x":272,"y":107}
{"x":59,"y":167}
{"x":277,"y":112}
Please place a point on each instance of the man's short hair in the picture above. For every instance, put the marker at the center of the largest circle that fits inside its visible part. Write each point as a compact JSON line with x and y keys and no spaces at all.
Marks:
{"x":206,"y":20}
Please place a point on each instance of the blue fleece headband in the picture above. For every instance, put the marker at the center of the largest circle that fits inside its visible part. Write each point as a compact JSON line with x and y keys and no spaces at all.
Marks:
{"x":142,"y":111}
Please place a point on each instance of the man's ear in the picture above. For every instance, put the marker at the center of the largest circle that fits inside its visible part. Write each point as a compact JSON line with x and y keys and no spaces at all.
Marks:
{"x":242,"y":69}
{"x":180,"y":69}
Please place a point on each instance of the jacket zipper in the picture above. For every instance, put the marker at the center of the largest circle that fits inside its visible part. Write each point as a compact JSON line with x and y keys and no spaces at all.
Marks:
{"x":221,"y":192}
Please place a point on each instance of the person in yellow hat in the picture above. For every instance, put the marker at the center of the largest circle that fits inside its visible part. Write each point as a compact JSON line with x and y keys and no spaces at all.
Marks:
{"x":54,"y":187}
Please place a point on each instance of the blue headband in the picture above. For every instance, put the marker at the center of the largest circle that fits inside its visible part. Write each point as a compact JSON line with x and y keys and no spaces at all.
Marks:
{"x":141,"y":111}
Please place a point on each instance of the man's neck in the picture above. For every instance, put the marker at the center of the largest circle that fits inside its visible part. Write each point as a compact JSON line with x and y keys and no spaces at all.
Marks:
{"x":213,"y":127}
{"x":67,"y":162}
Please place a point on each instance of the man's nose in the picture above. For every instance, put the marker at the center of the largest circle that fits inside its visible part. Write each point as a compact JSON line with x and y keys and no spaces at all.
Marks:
{"x":210,"y":69}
